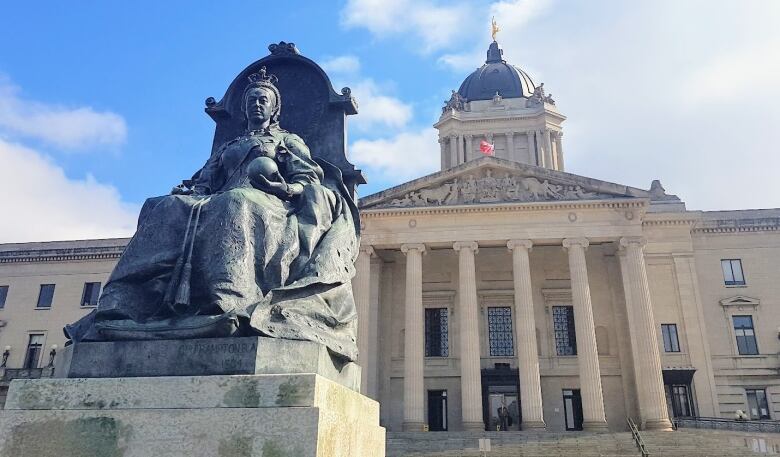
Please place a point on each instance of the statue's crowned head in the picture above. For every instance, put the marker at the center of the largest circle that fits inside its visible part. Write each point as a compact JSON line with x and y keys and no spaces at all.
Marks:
{"x":261,"y":97}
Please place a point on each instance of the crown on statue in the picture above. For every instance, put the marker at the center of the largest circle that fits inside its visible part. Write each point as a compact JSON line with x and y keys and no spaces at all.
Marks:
{"x":263,"y":78}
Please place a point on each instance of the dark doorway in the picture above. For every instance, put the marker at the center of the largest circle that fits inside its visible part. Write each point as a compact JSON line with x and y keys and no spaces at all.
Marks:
{"x":500,"y":388}
{"x":437,"y":410}
{"x":572,"y":409}
{"x":678,"y":400}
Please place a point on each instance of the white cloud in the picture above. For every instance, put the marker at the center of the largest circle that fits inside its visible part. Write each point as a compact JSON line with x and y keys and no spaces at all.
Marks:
{"x":68,"y":128}
{"x":41,"y":203}
{"x":375,"y":109}
{"x":404,"y":156}
{"x":341,"y":64}
{"x":431,"y":25}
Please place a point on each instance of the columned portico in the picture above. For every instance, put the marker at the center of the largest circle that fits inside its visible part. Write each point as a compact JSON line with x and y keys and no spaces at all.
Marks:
{"x":414,"y":320}
{"x":528,"y":357}
{"x":649,"y":383}
{"x":468,"y":316}
{"x":587,"y":353}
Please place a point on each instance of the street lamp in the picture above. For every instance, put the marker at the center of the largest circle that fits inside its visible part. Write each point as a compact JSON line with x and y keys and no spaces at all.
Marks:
{"x":6,"y":353}
{"x":52,"y":353}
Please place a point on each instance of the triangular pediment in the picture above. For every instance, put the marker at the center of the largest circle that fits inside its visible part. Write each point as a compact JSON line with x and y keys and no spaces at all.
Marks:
{"x":740,"y":301}
{"x":490,"y":180}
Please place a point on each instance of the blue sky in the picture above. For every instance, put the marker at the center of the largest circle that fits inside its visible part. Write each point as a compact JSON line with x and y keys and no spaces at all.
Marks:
{"x":101,"y":103}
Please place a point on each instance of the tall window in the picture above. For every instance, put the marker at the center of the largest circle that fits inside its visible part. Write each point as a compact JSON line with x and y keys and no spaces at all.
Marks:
{"x":3,"y":296}
{"x":746,"y":335}
{"x":758,"y":406}
{"x":34,"y":348}
{"x":436,"y":332}
{"x":671,"y":342}
{"x":732,"y":272}
{"x":91,"y":294}
{"x":500,"y":333}
{"x":45,"y":296}
{"x":563,"y":326}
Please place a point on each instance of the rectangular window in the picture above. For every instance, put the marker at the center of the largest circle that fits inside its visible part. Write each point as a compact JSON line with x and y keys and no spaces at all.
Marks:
{"x":746,"y":335}
{"x":758,"y":406}
{"x":500,"y":334}
{"x":671,"y":342}
{"x":732,"y":272}
{"x":91,"y":294}
{"x":563,"y":326}
{"x":34,"y":348}
{"x":45,"y":296}
{"x":3,"y":296}
{"x":436,"y":332}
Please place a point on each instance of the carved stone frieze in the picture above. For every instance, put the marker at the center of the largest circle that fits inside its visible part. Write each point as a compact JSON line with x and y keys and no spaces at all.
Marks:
{"x":491,"y":186}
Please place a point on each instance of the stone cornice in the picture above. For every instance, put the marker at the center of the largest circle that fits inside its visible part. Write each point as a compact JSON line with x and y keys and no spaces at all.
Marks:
{"x":506,"y":207}
{"x":61,"y":254}
{"x":769,"y":224}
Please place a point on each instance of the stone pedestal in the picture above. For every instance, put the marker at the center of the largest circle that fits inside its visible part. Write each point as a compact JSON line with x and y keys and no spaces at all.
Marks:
{"x":229,"y":397}
{"x":285,"y":415}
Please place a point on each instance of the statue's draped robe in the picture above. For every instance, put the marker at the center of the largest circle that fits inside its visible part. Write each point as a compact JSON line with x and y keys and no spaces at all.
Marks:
{"x":282,"y":267}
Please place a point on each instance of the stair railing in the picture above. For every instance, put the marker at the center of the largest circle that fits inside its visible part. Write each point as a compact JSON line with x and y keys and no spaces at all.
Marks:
{"x":640,"y":443}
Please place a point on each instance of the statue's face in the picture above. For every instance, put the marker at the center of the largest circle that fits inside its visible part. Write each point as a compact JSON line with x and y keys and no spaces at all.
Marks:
{"x":260,"y":105}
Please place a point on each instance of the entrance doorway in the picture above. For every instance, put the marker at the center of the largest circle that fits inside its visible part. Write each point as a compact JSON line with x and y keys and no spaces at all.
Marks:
{"x":437,"y":410}
{"x":572,"y":409}
{"x":500,"y":389}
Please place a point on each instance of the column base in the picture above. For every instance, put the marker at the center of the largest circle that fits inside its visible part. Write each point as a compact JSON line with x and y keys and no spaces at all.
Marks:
{"x":533,"y":425}
{"x":414,"y":426}
{"x":474,"y":426}
{"x":655,"y":425}
{"x":595,"y":426}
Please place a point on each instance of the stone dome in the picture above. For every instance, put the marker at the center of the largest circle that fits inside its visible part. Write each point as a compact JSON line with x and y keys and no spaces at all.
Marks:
{"x":496,"y":76}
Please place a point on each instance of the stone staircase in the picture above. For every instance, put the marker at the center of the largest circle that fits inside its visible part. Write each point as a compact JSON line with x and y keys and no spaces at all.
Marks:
{"x":686,"y":443}
{"x":505,"y":444}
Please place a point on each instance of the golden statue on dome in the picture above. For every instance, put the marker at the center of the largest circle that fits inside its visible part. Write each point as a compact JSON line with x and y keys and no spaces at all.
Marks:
{"x":494,"y":28}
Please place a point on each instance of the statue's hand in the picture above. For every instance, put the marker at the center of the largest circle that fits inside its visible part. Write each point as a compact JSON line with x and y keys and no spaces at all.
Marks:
{"x":281,"y":189}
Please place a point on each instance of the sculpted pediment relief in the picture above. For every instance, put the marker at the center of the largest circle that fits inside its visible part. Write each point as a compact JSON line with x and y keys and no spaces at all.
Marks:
{"x":487,"y":185}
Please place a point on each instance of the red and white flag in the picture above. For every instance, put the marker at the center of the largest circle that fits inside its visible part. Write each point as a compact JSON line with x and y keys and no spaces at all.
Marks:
{"x":486,"y":148}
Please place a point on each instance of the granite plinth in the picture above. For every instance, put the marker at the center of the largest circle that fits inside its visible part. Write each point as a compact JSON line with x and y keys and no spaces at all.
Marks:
{"x":295,"y":415}
{"x":202,"y":357}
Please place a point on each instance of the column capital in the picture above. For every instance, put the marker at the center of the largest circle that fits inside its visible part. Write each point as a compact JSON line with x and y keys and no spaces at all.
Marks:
{"x":627,"y":241}
{"x":470,"y":245}
{"x":419,"y":247}
{"x":469,"y":136}
{"x":522,"y":244}
{"x":509,"y":133}
{"x":442,"y":140}
{"x":582,"y":242}
{"x":367,"y":249}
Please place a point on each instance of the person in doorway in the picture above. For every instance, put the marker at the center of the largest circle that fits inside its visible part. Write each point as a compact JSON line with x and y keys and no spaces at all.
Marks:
{"x":503,"y":417}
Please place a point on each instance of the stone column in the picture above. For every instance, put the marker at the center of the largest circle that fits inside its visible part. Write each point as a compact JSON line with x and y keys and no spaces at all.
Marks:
{"x":525,"y":328}
{"x":453,"y":150}
{"x":469,"y":147}
{"x":468,"y":317}
{"x":587,"y":354}
{"x":548,"y":149}
{"x":510,"y":146}
{"x":371,"y":371}
{"x":533,"y":156}
{"x":461,"y":158}
{"x":542,"y":154}
{"x":414,"y":344}
{"x":445,"y":156}
{"x":361,"y":289}
{"x":652,"y":407}
{"x":559,"y":149}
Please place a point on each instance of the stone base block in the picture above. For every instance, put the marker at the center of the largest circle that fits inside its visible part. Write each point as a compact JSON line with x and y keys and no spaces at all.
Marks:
{"x":290,"y":415}
{"x":202,"y":357}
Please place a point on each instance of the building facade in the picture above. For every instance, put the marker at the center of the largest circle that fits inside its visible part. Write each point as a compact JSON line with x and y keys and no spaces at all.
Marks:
{"x":505,"y":292}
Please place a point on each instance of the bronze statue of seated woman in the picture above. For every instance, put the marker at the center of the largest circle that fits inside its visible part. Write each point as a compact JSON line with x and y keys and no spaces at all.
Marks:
{"x":261,"y":241}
